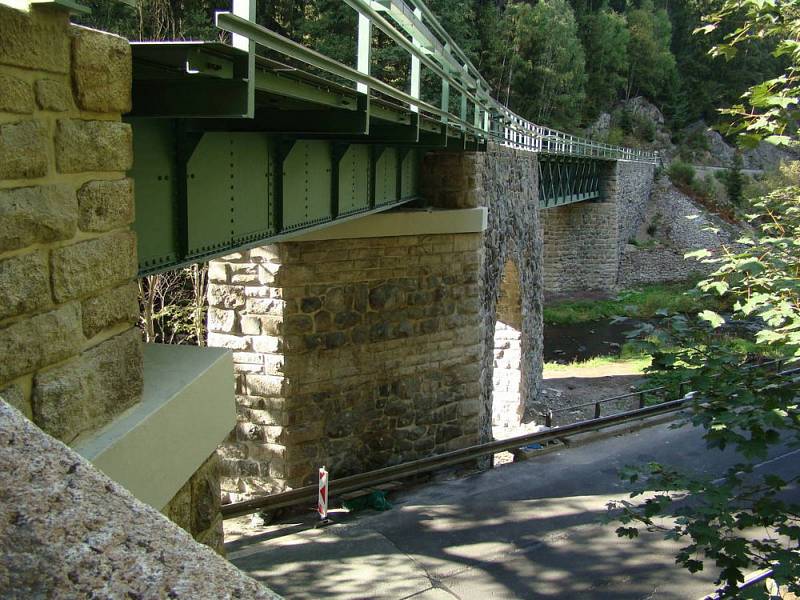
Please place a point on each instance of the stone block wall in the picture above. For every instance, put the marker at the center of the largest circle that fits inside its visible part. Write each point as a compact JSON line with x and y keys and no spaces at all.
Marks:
{"x":507,"y":375}
{"x":631,"y":185}
{"x":353,"y":354}
{"x":584,"y":242}
{"x":196,"y":506}
{"x":581,"y":250}
{"x":505,"y":181}
{"x":71,"y":351}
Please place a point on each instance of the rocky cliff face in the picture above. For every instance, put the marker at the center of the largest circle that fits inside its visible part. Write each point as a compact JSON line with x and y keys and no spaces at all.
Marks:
{"x":674,"y":224}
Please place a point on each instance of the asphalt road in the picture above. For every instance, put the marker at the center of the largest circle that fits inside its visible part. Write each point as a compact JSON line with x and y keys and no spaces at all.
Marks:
{"x":527,"y":530}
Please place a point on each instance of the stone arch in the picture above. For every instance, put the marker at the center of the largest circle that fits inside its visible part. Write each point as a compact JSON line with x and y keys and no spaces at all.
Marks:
{"x":507,"y":408}
{"x":506,"y":183}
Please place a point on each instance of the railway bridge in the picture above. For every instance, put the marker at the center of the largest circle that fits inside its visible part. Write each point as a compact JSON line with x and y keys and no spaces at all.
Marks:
{"x":377,"y":256}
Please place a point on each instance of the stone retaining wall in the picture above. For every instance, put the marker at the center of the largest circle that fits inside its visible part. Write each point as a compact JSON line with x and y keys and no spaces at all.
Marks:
{"x":71,"y":352}
{"x":353,"y":354}
{"x":673,"y":224}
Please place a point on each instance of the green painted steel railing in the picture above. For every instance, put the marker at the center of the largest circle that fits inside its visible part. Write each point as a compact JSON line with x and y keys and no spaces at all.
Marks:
{"x":413,"y":27}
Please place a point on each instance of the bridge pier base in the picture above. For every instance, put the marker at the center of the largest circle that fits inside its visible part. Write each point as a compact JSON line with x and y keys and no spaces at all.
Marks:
{"x":350,"y":352}
{"x":505,"y":182}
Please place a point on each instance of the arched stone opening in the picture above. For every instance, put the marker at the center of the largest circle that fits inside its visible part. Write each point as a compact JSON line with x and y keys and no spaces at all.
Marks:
{"x":508,"y":407}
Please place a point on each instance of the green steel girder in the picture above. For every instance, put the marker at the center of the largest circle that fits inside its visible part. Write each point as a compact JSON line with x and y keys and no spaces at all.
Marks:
{"x":568,"y":179}
{"x":201,"y":194}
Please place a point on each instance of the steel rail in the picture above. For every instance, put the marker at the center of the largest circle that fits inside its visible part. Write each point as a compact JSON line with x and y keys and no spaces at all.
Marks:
{"x":513,"y":130}
{"x":363,"y":7}
{"x":424,"y":465}
{"x":274,"y":41}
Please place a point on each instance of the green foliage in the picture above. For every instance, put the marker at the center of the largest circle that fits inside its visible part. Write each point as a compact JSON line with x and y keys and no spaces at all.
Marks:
{"x":173,"y":306}
{"x":734,"y":180}
{"x":651,"y":62}
{"x":605,"y":38}
{"x":615,"y":136}
{"x":531,"y":53}
{"x":642,"y":303}
{"x":681,"y":174}
{"x":739,"y":522}
{"x":546,"y":77}
{"x":768,"y":110}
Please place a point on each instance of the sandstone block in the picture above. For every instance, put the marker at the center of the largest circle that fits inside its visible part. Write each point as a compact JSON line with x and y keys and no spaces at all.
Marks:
{"x":101,"y":71}
{"x":250,"y":325}
{"x":25,"y":282}
{"x":233,"y":342}
{"x":118,"y":305}
{"x":23,"y":149}
{"x":53,"y":95}
{"x":16,"y":95}
{"x":15,"y":396}
{"x":218,"y":272}
{"x":266,"y":345}
{"x":93,"y":146}
{"x":226,"y":296}
{"x":268,"y":386}
{"x":33,"y":343}
{"x":28,"y":215}
{"x":93,"y":265}
{"x":34,"y":40}
{"x":88,"y":391}
{"x":220,"y":320}
{"x":105,"y":205}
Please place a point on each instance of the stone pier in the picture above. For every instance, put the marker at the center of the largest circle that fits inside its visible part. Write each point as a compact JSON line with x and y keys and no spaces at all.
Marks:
{"x":354,"y":348}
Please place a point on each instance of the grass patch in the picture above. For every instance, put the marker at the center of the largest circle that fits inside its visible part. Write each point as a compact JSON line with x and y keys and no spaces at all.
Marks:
{"x":634,"y":365}
{"x":642,"y":303}
{"x":630,"y":356}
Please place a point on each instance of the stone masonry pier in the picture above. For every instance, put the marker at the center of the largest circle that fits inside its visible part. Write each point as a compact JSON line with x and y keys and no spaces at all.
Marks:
{"x":353,"y":353}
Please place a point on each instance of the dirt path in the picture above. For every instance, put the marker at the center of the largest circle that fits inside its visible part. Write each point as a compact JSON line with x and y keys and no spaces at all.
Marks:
{"x":572,"y":385}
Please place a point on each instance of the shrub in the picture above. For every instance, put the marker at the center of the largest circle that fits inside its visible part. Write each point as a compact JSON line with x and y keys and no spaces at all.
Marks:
{"x":646,"y":130}
{"x":615,"y":136}
{"x":681,"y":173}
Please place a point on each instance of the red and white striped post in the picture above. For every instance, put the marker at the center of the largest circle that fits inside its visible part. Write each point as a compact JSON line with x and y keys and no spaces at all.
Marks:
{"x":322,"y":496}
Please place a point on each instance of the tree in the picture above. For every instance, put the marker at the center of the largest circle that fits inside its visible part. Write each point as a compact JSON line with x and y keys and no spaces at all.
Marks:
{"x":770,"y":109}
{"x":606,"y":39}
{"x":742,"y":520}
{"x":651,"y":62}
{"x":545,"y":72}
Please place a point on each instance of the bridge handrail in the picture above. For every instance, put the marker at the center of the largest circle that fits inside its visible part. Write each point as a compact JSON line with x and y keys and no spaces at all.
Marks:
{"x":412,"y":26}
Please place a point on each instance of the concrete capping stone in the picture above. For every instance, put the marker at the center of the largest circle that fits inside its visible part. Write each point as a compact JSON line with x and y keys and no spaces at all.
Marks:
{"x":402,"y":223}
{"x":151,"y":449}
